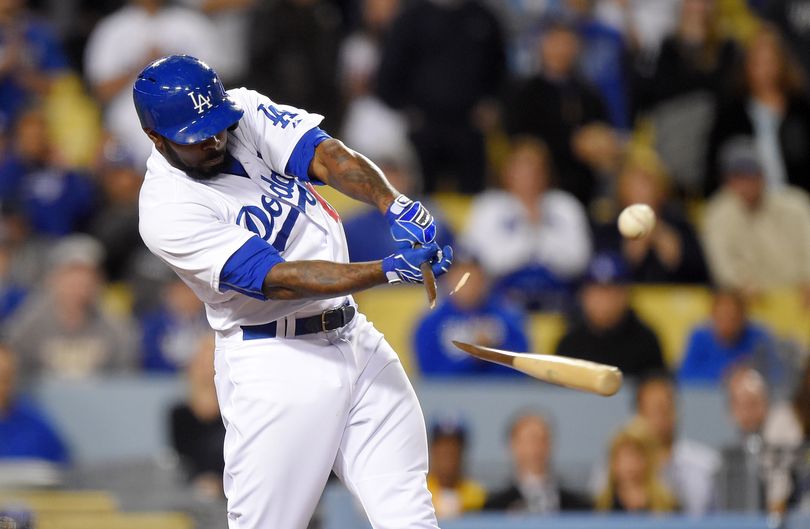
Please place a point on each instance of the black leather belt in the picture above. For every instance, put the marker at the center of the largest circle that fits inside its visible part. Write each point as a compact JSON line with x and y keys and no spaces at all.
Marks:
{"x":326,"y":321}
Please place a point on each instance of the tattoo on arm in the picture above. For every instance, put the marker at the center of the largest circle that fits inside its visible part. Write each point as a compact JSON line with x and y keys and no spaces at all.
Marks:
{"x":353,"y":174}
{"x":320,"y":279}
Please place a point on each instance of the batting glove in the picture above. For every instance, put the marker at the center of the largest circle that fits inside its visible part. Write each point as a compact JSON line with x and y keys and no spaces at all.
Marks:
{"x":403,"y":266}
{"x":410,"y":222}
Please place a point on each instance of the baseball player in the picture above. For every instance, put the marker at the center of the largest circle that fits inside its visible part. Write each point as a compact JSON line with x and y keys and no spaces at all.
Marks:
{"x":305,"y":383}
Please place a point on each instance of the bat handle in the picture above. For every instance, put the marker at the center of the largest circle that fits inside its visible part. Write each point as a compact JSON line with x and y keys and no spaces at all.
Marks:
{"x":429,"y":280}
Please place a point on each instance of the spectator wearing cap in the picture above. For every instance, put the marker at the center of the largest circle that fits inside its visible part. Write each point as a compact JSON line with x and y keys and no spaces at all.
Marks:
{"x":453,"y":493}
{"x":27,"y":439}
{"x":534,"y":487}
{"x":541,"y":234}
{"x":609,"y":331}
{"x":473,"y":315}
{"x":756,"y":239}
{"x":62,"y":331}
{"x":729,"y":339}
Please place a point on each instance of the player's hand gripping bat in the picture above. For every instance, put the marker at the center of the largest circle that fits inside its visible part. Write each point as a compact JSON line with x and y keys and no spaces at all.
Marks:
{"x":587,"y":376}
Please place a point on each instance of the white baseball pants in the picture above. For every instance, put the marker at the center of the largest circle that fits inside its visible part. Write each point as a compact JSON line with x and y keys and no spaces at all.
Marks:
{"x":297,"y":408}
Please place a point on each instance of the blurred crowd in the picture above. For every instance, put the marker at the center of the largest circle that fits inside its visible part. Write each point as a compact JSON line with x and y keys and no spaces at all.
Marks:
{"x":545,"y":117}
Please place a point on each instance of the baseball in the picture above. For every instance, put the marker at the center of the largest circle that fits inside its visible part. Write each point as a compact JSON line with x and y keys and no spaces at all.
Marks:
{"x":636,"y":221}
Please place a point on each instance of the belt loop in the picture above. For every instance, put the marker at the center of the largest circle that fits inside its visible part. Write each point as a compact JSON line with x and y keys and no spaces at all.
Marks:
{"x":289,"y":326}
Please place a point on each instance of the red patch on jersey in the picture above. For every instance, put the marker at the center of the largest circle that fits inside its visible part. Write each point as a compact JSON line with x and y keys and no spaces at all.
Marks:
{"x":332,"y":212}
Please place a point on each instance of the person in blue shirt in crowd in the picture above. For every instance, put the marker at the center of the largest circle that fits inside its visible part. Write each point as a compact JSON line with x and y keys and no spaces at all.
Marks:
{"x":368,"y":232}
{"x":473,"y":315}
{"x":729,"y":338}
{"x":25,"y":433}
{"x":171,"y":332}
{"x":55,"y":201}
{"x":31,"y":56}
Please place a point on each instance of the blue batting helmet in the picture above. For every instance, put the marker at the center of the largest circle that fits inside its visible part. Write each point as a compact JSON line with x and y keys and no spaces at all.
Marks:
{"x":182,"y":99}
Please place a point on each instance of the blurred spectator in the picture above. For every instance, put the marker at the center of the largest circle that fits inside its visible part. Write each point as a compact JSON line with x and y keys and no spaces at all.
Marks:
{"x":231,"y":18}
{"x":172,"y":332}
{"x":786,"y":429}
{"x":471,"y":315}
{"x":756,"y":239}
{"x":151,"y":29}
{"x":26,"y":249}
{"x":747,"y":400}
{"x":729,"y":339}
{"x":522,"y":21}
{"x":603,"y":60}
{"x":369,"y":234}
{"x":741,"y":486}
{"x":453,"y":493}
{"x":294,"y":55}
{"x":55,"y":201}
{"x":62,"y":331}
{"x":541,"y":234}
{"x":115,"y":221}
{"x":790,"y":16}
{"x":693,"y":68}
{"x":197,"y":431}
{"x":31,"y":57}
{"x":369,"y":125}
{"x":688,"y":468}
{"x":772,"y":106}
{"x":672,"y":252}
{"x":24,"y":432}
{"x":534,"y":487}
{"x":443,"y":63}
{"x":561,"y":109}
{"x":609,"y":331}
{"x":644,"y":24}
{"x":633,"y":484}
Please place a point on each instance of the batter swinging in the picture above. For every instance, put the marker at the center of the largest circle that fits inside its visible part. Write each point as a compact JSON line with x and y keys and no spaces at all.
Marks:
{"x":305,"y":383}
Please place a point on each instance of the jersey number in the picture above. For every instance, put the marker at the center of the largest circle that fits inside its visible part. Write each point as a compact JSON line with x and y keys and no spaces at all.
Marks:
{"x":278,"y":117}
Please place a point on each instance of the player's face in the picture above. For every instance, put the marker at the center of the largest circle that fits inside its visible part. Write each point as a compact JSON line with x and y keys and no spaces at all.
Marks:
{"x":199,"y":160}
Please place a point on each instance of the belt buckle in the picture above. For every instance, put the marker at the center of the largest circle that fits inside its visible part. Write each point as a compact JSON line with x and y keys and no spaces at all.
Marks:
{"x":323,"y":321}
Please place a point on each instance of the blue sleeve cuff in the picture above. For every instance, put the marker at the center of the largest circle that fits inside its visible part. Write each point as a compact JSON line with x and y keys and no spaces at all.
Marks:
{"x":304,"y":151}
{"x":246,"y":269}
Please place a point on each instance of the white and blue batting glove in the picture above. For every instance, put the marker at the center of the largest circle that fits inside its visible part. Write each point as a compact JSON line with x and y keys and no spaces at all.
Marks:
{"x":403,"y":266}
{"x":410,"y":222}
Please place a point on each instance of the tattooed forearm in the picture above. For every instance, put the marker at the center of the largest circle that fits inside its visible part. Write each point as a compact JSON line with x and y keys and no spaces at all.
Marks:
{"x":320,"y":279}
{"x":353,"y":174}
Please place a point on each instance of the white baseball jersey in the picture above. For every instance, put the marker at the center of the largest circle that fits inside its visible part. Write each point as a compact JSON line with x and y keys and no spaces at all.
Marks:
{"x":294,"y":407}
{"x":196,"y":225}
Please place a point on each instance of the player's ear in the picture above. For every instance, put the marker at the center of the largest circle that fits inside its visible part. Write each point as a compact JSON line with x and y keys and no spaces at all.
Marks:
{"x":156,"y":138}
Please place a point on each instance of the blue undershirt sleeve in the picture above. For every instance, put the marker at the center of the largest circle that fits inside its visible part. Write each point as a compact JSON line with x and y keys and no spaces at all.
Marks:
{"x":246,"y":269}
{"x":304,"y":151}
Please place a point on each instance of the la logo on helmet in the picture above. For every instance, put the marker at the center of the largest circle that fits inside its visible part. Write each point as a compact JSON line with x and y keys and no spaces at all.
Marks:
{"x":201,"y":102}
